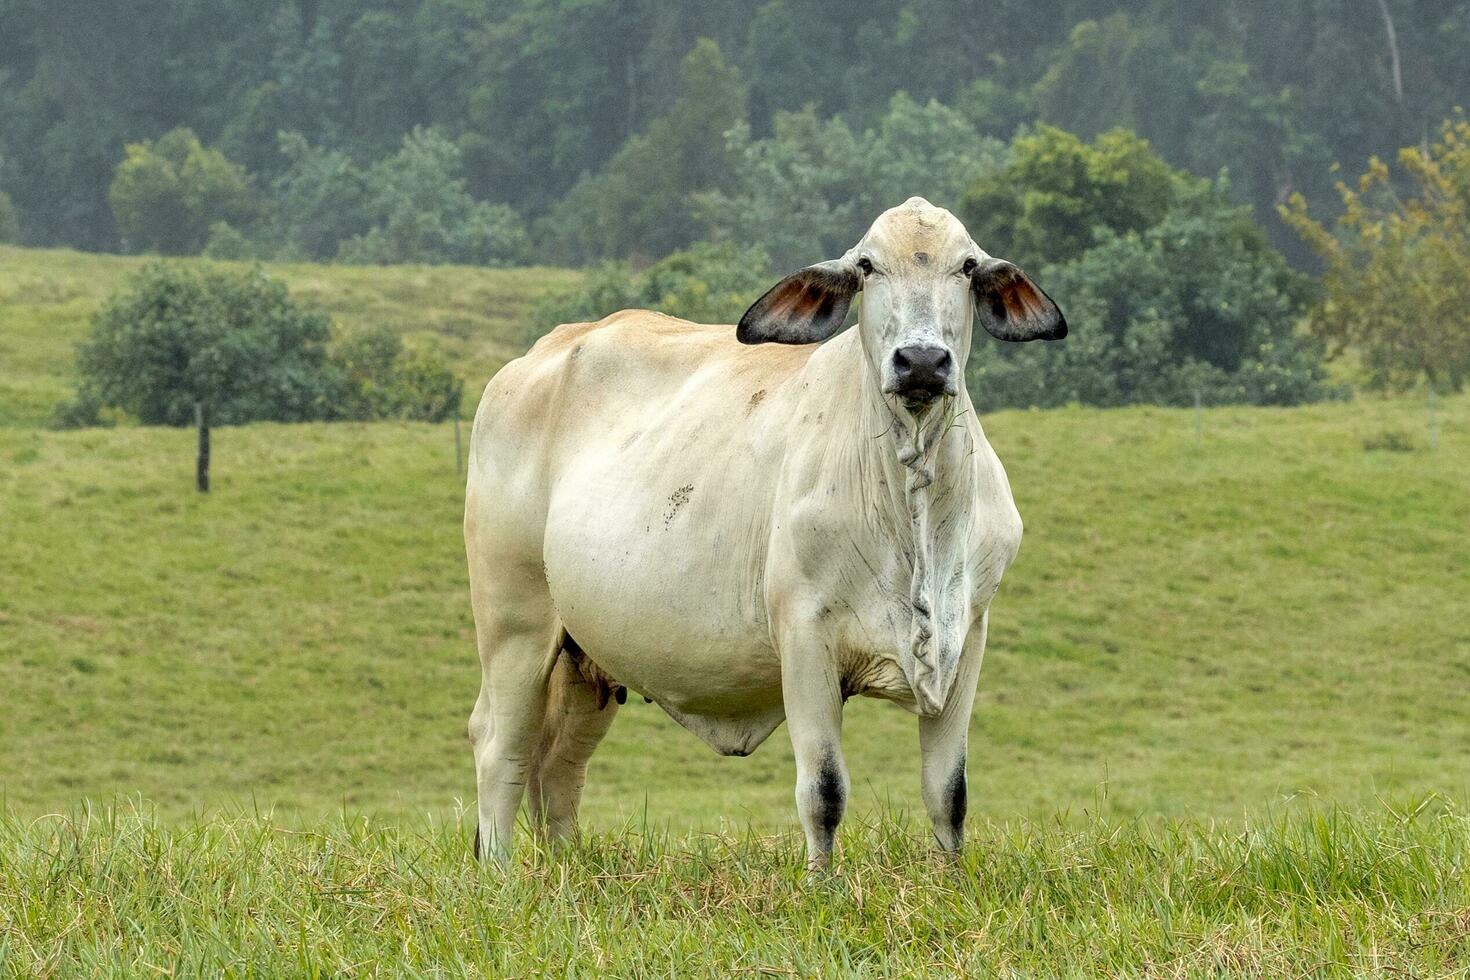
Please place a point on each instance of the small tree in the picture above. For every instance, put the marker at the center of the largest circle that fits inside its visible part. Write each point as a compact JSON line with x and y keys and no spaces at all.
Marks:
{"x":235,"y":340}
{"x":1397,"y":278}
{"x":186,"y":346}
{"x":167,"y":193}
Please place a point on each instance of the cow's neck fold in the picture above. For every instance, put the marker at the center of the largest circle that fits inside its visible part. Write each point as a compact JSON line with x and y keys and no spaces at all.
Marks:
{"x":928,"y":459}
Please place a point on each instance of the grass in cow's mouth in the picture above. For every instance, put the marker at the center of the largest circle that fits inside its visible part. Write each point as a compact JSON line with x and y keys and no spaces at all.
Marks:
{"x":1378,"y":892}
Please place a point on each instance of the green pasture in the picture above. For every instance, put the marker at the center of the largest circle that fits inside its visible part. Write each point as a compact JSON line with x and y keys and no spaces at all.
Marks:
{"x":1209,"y":628}
{"x":1319,"y":894}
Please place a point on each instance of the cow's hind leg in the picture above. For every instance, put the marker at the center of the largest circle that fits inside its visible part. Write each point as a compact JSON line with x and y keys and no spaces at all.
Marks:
{"x":578,"y":715}
{"x":517,"y":651}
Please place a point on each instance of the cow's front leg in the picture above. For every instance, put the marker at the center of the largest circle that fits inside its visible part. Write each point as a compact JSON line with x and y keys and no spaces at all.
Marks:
{"x":943,"y":740}
{"x":813,"y":698}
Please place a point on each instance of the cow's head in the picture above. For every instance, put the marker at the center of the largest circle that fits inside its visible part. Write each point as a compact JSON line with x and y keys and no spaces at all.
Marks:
{"x":920,"y":275}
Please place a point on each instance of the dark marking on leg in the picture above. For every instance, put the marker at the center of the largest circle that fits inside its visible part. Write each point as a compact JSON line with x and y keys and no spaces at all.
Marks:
{"x":478,"y":855}
{"x":830,"y":796}
{"x":957,"y":796}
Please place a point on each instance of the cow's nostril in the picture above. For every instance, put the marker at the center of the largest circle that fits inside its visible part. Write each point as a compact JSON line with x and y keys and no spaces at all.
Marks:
{"x":922,"y":370}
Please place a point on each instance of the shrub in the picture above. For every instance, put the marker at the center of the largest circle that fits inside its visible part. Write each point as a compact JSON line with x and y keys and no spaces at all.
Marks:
{"x":1172,"y":292}
{"x":1390,"y":441}
{"x":226,"y":243}
{"x":381,"y":379}
{"x":84,"y":410}
{"x":425,"y":388}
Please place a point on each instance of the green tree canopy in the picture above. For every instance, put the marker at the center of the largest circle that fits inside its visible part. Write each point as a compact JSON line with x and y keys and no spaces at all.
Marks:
{"x":320,"y":200}
{"x":1058,"y":195}
{"x":540,"y":95}
{"x":1192,"y":301}
{"x":640,"y":204}
{"x":167,"y":193}
{"x":809,"y":190}
{"x":419,"y":210}
{"x":1397,"y":279}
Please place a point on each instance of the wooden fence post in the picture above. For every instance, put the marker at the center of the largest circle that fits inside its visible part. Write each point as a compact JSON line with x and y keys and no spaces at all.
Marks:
{"x":1199,"y":422}
{"x":1433,"y":421}
{"x":201,"y":468}
{"x":458,"y":452}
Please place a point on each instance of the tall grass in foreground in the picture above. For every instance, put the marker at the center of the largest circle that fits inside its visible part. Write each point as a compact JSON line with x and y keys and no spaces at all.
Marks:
{"x":1321,"y":893}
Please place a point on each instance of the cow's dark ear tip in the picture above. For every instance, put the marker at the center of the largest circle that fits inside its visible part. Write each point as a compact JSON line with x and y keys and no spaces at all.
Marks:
{"x":745,"y":332}
{"x":1059,"y":332}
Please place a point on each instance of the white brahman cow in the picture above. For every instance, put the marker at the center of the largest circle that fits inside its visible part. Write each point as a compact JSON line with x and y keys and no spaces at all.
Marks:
{"x":746,"y":526}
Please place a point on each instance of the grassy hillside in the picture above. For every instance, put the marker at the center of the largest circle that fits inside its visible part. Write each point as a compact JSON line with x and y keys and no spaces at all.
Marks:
{"x":1381,"y":894}
{"x":1254,"y":624}
{"x":1208,"y":628}
{"x":47,"y":298}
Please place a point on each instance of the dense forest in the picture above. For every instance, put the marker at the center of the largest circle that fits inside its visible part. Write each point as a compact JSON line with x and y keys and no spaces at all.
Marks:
{"x":573,"y":130}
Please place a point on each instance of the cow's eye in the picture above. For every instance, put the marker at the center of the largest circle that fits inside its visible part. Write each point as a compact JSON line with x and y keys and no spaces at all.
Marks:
{"x":970,"y":266}
{"x":865,"y":265}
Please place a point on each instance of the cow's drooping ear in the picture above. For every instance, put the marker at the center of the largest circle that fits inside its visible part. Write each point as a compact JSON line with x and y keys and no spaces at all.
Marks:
{"x":1012,"y":307}
{"x":806,"y":307}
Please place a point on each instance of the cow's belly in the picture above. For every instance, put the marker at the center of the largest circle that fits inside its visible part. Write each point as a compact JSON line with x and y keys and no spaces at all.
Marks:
{"x":655,"y":570}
